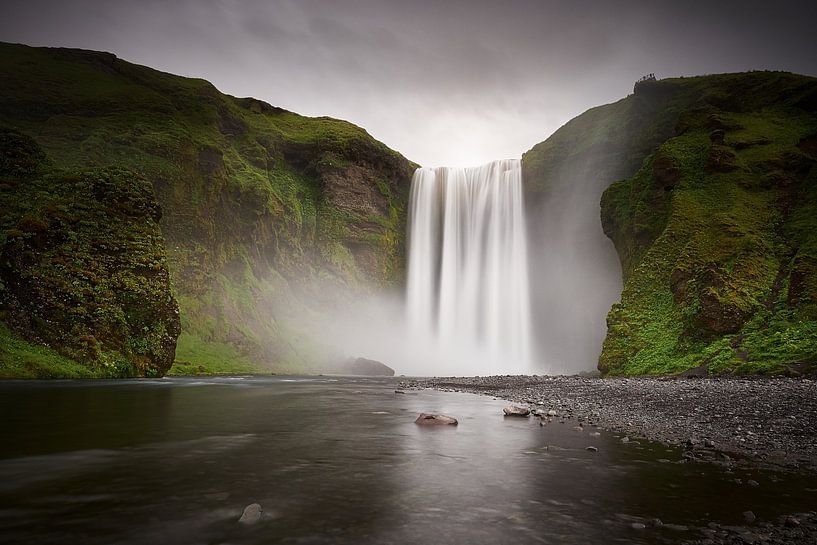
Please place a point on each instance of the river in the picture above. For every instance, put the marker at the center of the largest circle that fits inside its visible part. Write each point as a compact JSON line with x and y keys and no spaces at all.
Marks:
{"x":339,"y":460}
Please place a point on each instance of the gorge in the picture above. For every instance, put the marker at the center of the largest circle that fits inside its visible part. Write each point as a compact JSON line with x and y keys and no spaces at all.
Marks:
{"x":283,"y":239}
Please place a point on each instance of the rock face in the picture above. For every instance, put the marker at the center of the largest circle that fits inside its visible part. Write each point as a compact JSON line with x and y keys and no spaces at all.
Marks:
{"x":710,"y":202}
{"x":435,"y":420}
{"x":83,"y":268}
{"x":270,"y":220}
{"x":366,"y":367}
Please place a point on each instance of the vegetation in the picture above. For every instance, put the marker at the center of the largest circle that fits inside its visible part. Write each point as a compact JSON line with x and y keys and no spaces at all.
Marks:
{"x":268,"y":216}
{"x":715,"y":221}
{"x":82,"y":270}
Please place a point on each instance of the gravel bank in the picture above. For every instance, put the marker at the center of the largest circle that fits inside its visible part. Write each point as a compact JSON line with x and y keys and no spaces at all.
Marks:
{"x":760,"y":420}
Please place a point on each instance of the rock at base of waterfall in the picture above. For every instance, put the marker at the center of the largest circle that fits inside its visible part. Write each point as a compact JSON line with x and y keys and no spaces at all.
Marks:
{"x":513,"y":410}
{"x":435,"y":420}
{"x":365,"y":367}
{"x":251,"y":514}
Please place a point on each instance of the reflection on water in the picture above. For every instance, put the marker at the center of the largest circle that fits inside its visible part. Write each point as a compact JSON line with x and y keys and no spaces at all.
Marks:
{"x":337,"y":461}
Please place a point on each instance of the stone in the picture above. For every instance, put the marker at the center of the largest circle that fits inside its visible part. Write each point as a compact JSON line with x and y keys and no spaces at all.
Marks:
{"x":592,"y":449}
{"x":251,"y":514}
{"x":435,"y":420}
{"x":513,"y":410}
{"x":749,"y":517}
{"x":551,"y":412}
{"x":365,"y":367}
{"x":625,"y":439}
{"x":638,"y":526}
{"x":792,"y":522}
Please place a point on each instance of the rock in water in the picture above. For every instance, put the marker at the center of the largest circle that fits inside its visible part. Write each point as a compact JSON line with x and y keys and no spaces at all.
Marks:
{"x":363,"y":366}
{"x":435,"y":420}
{"x":251,"y":514}
{"x":513,"y":410}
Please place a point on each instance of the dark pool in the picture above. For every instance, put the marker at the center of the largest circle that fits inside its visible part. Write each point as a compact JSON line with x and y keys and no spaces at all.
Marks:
{"x":338,"y":460}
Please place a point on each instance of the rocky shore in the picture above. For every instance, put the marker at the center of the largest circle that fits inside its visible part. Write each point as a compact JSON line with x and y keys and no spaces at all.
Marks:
{"x":761,"y":422}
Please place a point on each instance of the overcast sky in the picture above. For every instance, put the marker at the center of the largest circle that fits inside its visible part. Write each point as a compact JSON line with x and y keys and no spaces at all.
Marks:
{"x":453,"y":83}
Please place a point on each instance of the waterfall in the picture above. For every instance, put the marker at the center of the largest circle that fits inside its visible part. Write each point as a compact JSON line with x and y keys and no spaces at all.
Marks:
{"x":468,"y":294}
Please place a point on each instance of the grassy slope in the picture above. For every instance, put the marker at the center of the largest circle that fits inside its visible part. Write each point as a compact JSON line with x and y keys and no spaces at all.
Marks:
{"x":716,"y":234}
{"x":263,"y":208}
{"x":711,"y":236}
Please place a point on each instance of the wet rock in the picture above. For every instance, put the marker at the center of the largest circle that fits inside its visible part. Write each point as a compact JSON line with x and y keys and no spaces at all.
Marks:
{"x":638,"y":525}
{"x":591,"y":449}
{"x":251,"y":514}
{"x":625,"y":439}
{"x":792,"y":522}
{"x":365,"y":367}
{"x":551,"y":412}
{"x":749,"y":517}
{"x":513,"y":410}
{"x":435,"y":420}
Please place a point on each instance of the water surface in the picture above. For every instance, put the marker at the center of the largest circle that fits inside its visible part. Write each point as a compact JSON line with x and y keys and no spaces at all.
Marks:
{"x":338,"y":460}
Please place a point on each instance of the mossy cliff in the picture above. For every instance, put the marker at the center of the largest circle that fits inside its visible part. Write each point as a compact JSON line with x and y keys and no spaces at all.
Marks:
{"x":82,"y":270}
{"x":269,"y":218}
{"x":715,"y":221}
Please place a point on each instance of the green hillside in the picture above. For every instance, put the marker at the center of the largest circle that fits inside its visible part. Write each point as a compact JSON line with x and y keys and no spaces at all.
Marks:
{"x":714,"y":222}
{"x":269,"y":218}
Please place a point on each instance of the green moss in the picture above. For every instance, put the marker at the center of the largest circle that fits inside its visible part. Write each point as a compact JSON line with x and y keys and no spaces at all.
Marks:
{"x":713,"y":231}
{"x":251,"y":195}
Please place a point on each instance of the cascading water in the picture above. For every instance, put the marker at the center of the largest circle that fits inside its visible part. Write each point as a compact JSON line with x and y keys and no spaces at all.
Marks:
{"x":468,"y":293}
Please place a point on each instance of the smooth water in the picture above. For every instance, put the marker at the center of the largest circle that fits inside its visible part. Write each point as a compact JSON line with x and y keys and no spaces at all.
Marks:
{"x":467,"y":287}
{"x":337,"y":460}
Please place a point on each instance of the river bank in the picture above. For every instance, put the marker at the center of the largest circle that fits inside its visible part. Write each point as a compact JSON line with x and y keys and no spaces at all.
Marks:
{"x":767,"y":421}
{"x":732,"y":422}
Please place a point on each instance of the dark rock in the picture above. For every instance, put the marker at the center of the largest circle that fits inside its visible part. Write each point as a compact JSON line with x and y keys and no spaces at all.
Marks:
{"x":435,"y":420}
{"x":365,"y":367}
{"x":591,"y":449}
{"x":749,"y":517}
{"x":792,"y":522}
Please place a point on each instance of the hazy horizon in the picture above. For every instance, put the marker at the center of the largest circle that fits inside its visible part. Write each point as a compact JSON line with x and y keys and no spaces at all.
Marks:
{"x":445,"y":84}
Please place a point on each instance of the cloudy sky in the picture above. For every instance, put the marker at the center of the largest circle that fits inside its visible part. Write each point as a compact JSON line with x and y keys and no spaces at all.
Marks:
{"x":451,"y":82}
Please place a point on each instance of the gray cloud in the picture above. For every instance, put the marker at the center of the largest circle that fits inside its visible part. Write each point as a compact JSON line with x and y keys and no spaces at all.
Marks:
{"x":444,"y":82}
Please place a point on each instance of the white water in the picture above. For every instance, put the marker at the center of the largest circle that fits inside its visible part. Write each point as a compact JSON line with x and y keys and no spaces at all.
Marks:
{"x":468,"y":293}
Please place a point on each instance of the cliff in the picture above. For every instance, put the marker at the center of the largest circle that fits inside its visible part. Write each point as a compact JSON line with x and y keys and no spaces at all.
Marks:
{"x":83,"y":270}
{"x":269,"y":218}
{"x":711,"y":207}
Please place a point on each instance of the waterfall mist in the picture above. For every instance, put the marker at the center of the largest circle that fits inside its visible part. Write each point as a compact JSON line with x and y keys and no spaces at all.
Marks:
{"x":467,"y":294}
{"x":575,"y":269}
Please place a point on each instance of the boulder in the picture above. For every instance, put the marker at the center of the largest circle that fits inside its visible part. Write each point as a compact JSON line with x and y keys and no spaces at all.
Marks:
{"x":366,"y":367}
{"x":513,"y":410}
{"x":435,"y":420}
{"x":251,"y":514}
